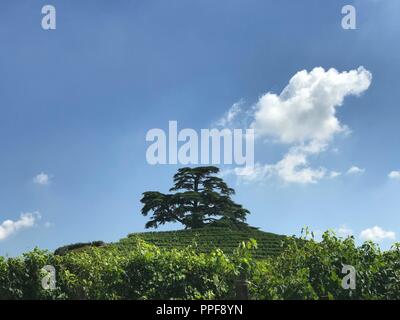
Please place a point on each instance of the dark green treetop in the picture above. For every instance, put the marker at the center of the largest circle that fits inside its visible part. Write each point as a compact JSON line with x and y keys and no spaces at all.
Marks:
{"x":199,"y":197}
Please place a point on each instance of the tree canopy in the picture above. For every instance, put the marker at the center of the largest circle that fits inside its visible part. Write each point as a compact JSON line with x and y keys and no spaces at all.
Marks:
{"x":199,"y":197}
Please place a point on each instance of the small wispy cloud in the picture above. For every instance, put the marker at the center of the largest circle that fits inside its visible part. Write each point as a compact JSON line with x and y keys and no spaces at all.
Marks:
{"x":344,"y":231}
{"x":394,"y":175}
{"x":48,"y":224}
{"x":232,"y":115}
{"x":334,"y":174}
{"x":42,"y":179}
{"x":354,"y":170}
{"x":10,"y":227}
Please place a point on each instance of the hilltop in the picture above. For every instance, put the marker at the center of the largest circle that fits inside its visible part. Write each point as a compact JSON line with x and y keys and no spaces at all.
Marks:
{"x":207,"y":239}
{"x":203,"y":239}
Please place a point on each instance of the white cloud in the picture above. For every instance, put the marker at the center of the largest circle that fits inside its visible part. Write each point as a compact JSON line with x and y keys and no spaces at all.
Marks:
{"x":293,"y":168}
{"x":42,"y":179}
{"x":231,"y":115}
{"x":9,"y":227}
{"x":303,"y":116}
{"x":306,"y":109}
{"x":394,"y":175}
{"x":344,"y":231}
{"x":377,"y":234}
{"x":334,"y":174}
{"x":236,"y":117}
{"x":355,"y":170}
{"x":250,"y":174}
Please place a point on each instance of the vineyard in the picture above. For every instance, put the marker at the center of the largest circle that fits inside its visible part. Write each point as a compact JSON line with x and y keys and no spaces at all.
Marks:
{"x":137,"y":269}
{"x":206,"y":240}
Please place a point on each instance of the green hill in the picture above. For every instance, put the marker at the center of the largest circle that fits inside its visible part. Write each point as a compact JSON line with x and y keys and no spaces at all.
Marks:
{"x":206,"y":239}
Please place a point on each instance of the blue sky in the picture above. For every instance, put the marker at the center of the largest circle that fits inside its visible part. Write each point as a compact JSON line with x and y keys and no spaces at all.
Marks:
{"x":76,"y":103}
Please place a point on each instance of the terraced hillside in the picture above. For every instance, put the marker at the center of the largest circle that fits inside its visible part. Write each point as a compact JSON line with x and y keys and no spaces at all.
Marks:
{"x":206,"y":239}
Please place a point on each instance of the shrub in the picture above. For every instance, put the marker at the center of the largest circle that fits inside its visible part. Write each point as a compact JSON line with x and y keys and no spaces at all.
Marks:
{"x":313,"y":270}
{"x":305,"y":269}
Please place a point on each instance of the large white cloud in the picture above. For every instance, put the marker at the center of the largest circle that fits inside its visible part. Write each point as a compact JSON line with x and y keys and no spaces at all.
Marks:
{"x":377,"y":234}
{"x":9,"y":227}
{"x":303,"y":116}
{"x":306,"y":109}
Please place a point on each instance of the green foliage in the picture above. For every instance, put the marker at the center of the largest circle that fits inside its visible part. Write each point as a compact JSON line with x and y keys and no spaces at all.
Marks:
{"x":199,"y":198}
{"x":305,"y":269}
{"x":309,"y":269}
{"x":20,"y":278}
{"x":145,"y":272}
